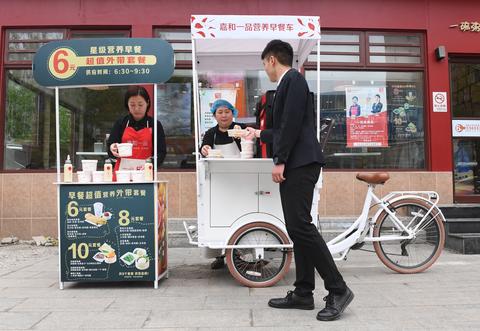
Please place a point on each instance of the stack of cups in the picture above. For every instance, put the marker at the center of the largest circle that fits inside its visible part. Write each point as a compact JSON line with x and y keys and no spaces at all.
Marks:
{"x":247,"y":149}
{"x":88,"y":167}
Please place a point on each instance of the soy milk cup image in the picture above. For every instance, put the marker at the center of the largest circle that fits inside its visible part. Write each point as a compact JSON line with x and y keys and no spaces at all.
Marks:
{"x":98,"y":209}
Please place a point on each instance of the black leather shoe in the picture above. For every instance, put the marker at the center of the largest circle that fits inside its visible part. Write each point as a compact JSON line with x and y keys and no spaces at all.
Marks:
{"x":335,"y":305}
{"x":218,"y":263}
{"x":292,"y":301}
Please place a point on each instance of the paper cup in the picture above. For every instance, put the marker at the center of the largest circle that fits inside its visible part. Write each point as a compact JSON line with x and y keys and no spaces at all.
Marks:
{"x":84,"y":176}
{"x":246,"y":155}
{"x":125,"y":149}
{"x":98,"y":209}
{"x":89,"y":165}
{"x":123,"y":176}
{"x":97,"y":176}
{"x":138,"y":176}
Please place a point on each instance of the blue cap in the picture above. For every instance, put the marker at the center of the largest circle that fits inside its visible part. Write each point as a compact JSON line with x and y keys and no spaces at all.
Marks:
{"x":223,"y":103}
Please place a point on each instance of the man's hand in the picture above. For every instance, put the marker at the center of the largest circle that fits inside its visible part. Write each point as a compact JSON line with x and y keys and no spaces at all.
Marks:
{"x":277,"y":173}
{"x":251,"y":133}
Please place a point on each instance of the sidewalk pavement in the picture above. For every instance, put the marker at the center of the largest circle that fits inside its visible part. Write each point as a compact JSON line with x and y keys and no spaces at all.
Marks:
{"x":446,"y":297}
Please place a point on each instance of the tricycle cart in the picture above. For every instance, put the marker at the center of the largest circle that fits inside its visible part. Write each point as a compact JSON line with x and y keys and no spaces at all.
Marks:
{"x":238,"y":204}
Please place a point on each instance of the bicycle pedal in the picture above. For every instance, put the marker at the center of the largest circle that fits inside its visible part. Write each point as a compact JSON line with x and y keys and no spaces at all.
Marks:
{"x":357,"y":246}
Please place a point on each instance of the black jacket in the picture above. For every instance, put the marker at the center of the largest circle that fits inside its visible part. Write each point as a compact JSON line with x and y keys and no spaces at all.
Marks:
{"x":120,"y":125}
{"x":293,"y":134}
{"x":214,"y":136}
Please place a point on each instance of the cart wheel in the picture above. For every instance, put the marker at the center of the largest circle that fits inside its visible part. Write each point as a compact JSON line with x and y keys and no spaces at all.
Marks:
{"x":258,"y":267}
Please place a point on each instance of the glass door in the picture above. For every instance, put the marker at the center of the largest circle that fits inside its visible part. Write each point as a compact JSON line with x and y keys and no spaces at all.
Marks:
{"x":465,"y":95}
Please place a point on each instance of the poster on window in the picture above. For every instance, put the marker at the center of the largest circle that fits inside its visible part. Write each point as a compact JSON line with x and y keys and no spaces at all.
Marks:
{"x":174,"y":102}
{"x":366,"y":116}
{"x":207,"y":98}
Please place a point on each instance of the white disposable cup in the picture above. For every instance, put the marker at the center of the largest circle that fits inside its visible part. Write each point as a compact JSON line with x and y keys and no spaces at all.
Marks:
{"x":98,"y":209}
{"x":84,"y":176}
{"x":125,"y":149}
{"x":123,"y":176}
{"x":246,"y":155}
{"x":97,"y":176}
{"x":138,"y":176}
{"x":247,"y":146}
{"x":89,"y":165}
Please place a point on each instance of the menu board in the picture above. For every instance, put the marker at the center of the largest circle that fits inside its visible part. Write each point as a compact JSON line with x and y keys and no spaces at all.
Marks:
{"x":107,"y":232}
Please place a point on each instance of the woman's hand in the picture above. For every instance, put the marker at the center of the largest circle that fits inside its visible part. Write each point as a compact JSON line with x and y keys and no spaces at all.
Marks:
{"x":114,"y":149}
{"x":205,"y":150}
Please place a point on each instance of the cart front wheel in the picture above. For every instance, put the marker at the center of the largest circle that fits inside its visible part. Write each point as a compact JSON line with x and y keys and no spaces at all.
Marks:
{"x":260,"y":266}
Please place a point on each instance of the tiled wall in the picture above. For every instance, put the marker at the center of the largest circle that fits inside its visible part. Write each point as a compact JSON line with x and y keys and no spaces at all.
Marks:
{"x":28,"y":201}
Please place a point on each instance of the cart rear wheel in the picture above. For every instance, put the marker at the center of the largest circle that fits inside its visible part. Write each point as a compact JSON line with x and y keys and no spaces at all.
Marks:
{"x":258,"y":267}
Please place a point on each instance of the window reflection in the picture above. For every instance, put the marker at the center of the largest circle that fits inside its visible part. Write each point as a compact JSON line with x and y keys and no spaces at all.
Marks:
{"x":403,"y":94}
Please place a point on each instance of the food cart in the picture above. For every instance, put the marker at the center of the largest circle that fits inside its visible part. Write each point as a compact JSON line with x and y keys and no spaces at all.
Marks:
{"x":108,"y":231}
{"x":238,"y":204}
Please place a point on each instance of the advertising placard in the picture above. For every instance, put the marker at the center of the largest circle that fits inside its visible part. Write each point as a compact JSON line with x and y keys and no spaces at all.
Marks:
{"x":366,"y":116}
{"x":111,"y":61}
{"x":107,"y":232}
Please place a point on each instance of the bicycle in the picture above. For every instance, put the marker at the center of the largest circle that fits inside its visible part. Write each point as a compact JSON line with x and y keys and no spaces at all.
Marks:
{"x":407,"y":232}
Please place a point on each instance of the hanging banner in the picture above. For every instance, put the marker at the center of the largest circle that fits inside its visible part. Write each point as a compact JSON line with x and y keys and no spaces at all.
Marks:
{"x":103,"y":61}
{"x":366,"y":116}
{"x":207,"y":98}
{"x":255,"y":27}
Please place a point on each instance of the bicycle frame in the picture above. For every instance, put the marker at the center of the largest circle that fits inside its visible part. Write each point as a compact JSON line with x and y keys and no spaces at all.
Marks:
{"x":357,"y":232}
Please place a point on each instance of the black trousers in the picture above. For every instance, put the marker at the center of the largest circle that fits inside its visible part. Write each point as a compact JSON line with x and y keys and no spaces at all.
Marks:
{"x":310,"y":250}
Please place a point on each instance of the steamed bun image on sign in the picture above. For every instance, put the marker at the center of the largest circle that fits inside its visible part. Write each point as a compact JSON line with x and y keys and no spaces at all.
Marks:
{"x":367,"y":116}
{"x":111,"y":61}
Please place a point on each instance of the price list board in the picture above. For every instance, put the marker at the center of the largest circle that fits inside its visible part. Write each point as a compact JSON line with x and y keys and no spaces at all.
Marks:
{"x":107,"y":232}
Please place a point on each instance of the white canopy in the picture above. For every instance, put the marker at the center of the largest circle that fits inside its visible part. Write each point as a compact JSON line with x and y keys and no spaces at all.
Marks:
{"x":236,"y":42}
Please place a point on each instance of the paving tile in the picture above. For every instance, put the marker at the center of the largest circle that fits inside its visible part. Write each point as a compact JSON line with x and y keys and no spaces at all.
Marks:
{"x":293,"y":318}
{"x":160,"y":303}
{"x":93,"y":320}
{"x":31,"y":283}
{"x":7,"y":304}
{"x":199,"y":318}
{"x":20,"y":321}
{"x":64,"y":304}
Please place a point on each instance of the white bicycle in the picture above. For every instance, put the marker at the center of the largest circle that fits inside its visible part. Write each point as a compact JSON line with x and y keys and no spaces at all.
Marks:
{"x":407,"y":231}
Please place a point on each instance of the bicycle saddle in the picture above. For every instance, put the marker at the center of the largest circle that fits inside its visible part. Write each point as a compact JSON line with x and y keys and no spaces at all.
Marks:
{"x":373,"y":178}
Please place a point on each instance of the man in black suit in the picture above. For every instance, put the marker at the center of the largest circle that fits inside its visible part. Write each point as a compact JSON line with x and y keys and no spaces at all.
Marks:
{"x":298,"y":158}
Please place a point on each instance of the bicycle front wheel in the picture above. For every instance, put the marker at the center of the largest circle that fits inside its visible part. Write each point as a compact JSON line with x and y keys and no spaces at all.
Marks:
{"x":414,"y":255}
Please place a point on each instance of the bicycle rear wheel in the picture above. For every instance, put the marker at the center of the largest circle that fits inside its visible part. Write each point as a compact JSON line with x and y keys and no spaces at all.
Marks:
{"x":410,"y":255}
{"x":260,"y":267}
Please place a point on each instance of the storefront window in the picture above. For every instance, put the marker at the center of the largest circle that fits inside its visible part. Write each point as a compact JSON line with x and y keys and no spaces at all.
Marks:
{"x":379,"y":118}
{"x":175,"y":112}
{"x":86,"y":114}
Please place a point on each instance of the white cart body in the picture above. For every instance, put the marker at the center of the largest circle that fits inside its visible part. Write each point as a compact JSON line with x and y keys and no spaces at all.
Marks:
{"x":235,"y":192}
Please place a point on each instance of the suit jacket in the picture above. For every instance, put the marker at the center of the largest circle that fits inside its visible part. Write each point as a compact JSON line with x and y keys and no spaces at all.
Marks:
{"x":293,"y":133}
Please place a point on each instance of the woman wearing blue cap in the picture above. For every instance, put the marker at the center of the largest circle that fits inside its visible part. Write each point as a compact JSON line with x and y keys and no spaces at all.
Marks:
{"x":217,"y":137}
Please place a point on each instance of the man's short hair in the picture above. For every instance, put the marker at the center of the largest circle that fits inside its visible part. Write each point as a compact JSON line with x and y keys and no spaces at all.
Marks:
{"x":281,"y":50}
